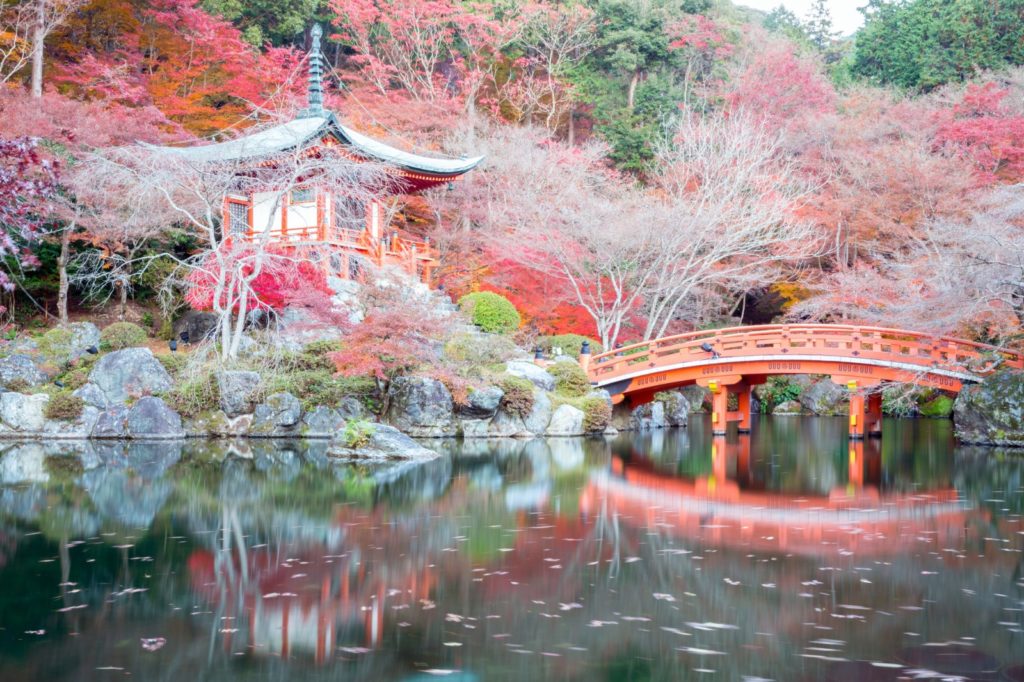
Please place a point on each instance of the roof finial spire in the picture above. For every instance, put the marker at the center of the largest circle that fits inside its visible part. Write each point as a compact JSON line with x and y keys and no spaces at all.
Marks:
{"x":315,"y":105}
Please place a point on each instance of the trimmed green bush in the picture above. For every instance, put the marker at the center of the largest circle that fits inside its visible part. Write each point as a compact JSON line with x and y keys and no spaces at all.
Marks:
{"x":570,"y":379}
{"x":597,"y":414}
{"x":56,"y":343}
{"x":492,"y":312}
{"x":569,"y":343}
{"x":938,"y":407}
{"x":76,"y":378}
{"x":122,"y":335}
{"x":62,"y":405}
{"x":518,"y":398}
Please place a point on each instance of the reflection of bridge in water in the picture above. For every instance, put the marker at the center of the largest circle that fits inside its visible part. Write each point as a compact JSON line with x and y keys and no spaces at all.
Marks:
{"x":722,"y":509}
{"x":730,"y":362}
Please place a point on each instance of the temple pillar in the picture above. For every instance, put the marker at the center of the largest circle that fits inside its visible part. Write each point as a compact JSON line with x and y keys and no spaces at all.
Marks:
{"x":719,"y":459}
{"x":855,"y":472}
{"x":373,"y":221}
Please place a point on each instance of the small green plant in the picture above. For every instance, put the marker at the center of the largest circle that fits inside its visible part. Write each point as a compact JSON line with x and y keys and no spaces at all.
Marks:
{"x":518,"y":398}
{"x":492,"y":312}
{"x":778,"y":390}
{"x":122,"y":335}
{"x":357,"y":433}
{"x":597,"y":414}
{"x":571,"y":344}
{"x":75,"y":378}
{"x":148,"y":319}
{"x":570,"y":379}
{"x":64,"y":406}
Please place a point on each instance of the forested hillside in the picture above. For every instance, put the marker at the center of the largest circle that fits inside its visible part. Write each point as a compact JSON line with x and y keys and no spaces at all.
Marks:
{"x":653,"y":165}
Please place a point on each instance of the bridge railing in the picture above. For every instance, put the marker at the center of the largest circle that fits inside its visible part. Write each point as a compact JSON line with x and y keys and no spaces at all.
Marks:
{"x":826,"y":340}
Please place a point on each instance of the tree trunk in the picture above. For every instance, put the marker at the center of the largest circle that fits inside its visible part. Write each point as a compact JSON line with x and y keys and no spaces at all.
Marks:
{"x":38,"y":36}
{"x":62,"y":268}
{"x":634,"y":81}
{"x":122,"y":311}
{"x":572,"y":127}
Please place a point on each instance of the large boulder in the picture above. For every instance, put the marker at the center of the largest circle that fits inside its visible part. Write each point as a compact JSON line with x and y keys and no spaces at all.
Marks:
{"x":992,"y":412}
{"x":826,"y":398}
{"x":92,"y":395}
{"x":696,"y":396}
{"x":236,"y":390}
{"x":648,"y":416}
{"x":538,"y":376}
{"x":482,"y":404}
{"x":80,"y":427}
{"x":278,"y":415}
{"x":23,"y":413}
{"x":566,"y":421}
{"x":112,"y":423}
{"x":198,"y":325}
{"x":508,"y":425}
{"x":322,"y":422}
{"x":84,"y":335}
{"x":150,"y":418}
{"x":351,"y":408}
{"x":421,"y":407}
{"x":130,"y":373}
{"x":677,"y":408}
{"x":789,"y":408}
{"x":18,"y":368}
{"x":386,"y":442}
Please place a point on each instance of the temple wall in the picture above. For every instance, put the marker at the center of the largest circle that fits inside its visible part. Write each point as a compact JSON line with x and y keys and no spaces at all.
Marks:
{"x":263,"y":204}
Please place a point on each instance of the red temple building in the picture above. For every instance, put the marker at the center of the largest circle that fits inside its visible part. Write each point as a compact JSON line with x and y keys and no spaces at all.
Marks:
{"x":314,"y":216}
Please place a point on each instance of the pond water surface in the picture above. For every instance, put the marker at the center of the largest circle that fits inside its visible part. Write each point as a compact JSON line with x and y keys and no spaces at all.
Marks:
{"x":789,"y":554}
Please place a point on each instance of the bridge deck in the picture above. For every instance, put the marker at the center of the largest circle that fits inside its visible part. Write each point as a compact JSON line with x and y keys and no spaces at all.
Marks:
{"x":898,"y":349}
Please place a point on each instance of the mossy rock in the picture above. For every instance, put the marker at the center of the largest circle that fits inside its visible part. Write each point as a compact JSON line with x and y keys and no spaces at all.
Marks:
{"x":938,"y":407}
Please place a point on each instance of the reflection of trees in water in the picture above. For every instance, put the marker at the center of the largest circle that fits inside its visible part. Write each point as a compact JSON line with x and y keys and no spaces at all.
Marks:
{"x":251,"y":516}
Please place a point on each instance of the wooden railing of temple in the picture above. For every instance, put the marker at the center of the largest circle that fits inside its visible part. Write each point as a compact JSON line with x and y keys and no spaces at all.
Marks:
{"x":415,"y":257}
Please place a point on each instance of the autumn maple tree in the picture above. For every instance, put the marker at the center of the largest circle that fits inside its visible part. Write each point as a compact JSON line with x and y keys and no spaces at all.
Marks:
{"x":27,"y":183}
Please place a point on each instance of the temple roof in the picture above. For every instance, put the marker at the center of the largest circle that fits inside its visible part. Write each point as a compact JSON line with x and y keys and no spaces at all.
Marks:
{"x":313,"y":123}
{"x":305,"y":131}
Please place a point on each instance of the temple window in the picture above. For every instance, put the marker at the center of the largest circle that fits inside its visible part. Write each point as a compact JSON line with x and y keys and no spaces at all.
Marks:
{"x":302,"y":195}
{"x":238,"y":217}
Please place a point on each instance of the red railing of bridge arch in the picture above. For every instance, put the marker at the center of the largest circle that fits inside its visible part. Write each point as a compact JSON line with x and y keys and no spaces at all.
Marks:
{"x":881,"y":344}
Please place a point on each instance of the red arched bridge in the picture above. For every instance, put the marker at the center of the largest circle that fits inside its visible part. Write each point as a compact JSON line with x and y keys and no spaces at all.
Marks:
{"x":732,"y":361}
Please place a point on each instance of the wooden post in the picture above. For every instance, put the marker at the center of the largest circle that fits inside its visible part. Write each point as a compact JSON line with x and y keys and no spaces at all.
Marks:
{"x":856,"y":466}
{"x":284,"y":217}
{"x":719,"y":408}
{"x":373,"y":221}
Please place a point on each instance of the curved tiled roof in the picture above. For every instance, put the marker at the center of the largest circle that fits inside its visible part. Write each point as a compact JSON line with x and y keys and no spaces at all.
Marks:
{"x":302,"y":131}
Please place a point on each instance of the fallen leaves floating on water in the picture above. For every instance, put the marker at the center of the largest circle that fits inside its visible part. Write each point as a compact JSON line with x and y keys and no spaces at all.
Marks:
{"x":153,"y":643}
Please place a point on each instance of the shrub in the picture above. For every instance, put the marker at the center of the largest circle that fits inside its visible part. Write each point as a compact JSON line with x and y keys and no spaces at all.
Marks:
{"x":319,"y":387}
{"x":18,"y":385}
{"x":62,"y":405}
{"x":570,"y":379}
{"x":571,"y":344}
{"x":492,"y":312}
{"x":597,"y":414}
{"x":122,"y":335}
{"x":357,"y":433}
{"x":76,"y":378}
{"x":480,"y":350}
{"x":778,"y":390}
{"x":56,"y":343}
{"x":172,"y":362}
{"x":518,"y":399}
{"x":148,"y":319}
{"x":195,"y":396}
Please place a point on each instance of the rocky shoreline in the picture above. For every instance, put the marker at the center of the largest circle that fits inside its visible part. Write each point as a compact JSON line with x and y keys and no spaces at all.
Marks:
{"x":127,"y":396}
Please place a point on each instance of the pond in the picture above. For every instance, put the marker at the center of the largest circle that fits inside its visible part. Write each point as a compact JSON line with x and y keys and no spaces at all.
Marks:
{"x":788,"y":554}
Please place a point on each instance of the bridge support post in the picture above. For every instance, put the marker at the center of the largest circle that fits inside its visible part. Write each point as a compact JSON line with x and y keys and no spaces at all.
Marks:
{"x":857,"y":416}
{"x":743,"y":406}
{"x":719,"y":410}
{"x":873,"y":416}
